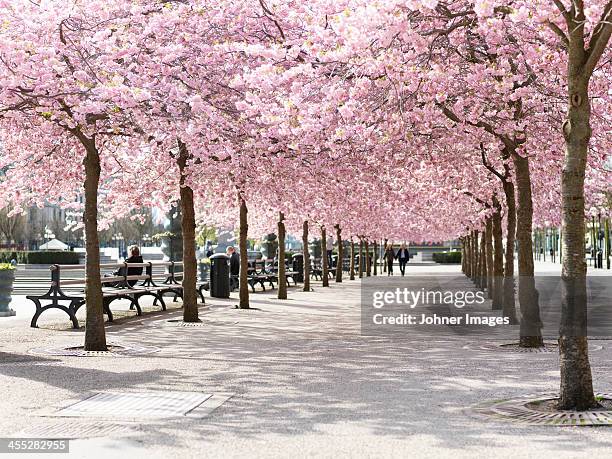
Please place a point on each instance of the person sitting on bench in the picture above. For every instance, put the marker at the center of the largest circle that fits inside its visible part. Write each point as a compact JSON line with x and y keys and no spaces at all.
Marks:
{"x":135,"y":257}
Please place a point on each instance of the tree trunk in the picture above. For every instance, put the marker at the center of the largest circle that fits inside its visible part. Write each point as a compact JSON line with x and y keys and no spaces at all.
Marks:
{"x":368,"y":260}
{"x":282,"y":279}
{"x":468,"y":255}
{"x":190,"y":263}
{"x":352,"y":261}
{"x":383,"y":260}
{"x":531,"y":324}
{"x":325,"y":268}
{"x":576,"y":390}
{"x":498,"y":256}
{"x":475,"y":257}
{"x":607,"y":241}
{"x":375,"y":256}
{"x":482,"y":263}
{"x":340,"y":254}
{"x":489,"y":256}
{"x":95,"y":335}
{"x":509,"y":304}
{"x":244,"y":256}
{"x":306,"y":256}
{"x":360,"y":269}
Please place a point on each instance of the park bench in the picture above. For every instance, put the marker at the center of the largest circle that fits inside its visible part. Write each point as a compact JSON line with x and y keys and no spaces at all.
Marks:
{"x":316,"y":270}
{"x":68,"y":295}
{"x":289,"y":273}
{"x":258,"y":273}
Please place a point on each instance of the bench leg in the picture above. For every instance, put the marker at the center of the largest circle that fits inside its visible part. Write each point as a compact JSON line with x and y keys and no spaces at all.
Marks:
{"x":134,"y":304}
{"x":160,"y":297}
{"x":40,"y":309}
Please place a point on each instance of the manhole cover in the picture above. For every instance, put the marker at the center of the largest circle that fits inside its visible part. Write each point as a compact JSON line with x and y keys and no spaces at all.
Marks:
{"x":137,"y":405}
{"x":77,"y":429}
{"x":519,"y":410}
{"x":550,"y":347}
{"x":114,"y":350}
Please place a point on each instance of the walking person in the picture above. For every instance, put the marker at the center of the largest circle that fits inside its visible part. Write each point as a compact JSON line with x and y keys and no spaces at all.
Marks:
{"x":389,"y":257}
{"x":234,"y":262}
{"x":403,"y":256}
{"x":330,"y":251}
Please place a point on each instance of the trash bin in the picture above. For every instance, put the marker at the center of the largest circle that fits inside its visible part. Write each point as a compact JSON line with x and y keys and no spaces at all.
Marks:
{"x":219,"y":276}
{"x":298,"y":266}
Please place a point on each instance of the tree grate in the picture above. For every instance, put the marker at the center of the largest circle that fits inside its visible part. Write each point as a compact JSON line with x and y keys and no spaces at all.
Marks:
{"x":517,"y":410}
{"x":550,"y":347}
{"x":114,"y":350}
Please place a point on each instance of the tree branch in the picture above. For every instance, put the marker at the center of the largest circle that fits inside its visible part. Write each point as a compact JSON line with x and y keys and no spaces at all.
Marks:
{"x":599,"y":39}
{"x":566,"y":15}
{"x":560,"y":33}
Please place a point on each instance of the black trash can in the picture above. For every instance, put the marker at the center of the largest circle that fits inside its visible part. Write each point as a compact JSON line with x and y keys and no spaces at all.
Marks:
{"x":219,"y":276}
{"x":298,"y":266}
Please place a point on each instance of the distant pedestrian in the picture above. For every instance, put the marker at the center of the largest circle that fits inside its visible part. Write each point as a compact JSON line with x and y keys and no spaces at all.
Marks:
{"x":234,"y":261}
{"x":330,"y":251}
{"x":403,"y":256}
{"x":389,"y":257}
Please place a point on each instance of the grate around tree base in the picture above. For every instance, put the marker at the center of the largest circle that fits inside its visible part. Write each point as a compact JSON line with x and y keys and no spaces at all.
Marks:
{"x":114,"y":350}
{"x":521,"y":410}
{"x":550,"y":347}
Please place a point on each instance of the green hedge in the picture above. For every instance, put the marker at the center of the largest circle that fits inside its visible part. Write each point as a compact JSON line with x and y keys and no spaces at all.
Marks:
{"x":447,"y":257}
{"x":40,"y":257}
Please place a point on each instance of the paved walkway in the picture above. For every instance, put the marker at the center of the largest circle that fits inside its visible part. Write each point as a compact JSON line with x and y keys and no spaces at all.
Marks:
{"x":305,"y":383}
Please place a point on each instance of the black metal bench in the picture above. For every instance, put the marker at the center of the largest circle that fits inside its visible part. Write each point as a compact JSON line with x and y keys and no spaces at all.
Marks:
{"x":259,"y":274}
{"x":316,"y":270}
{"x":113,"y":288}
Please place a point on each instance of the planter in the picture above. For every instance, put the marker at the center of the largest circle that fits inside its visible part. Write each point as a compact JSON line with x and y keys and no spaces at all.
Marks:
{"x":6,"y":289}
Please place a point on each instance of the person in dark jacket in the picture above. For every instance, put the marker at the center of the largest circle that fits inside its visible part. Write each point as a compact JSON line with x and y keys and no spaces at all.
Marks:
{"x":403,"y":256}
{"x":209,"y":249}
{"x":134,"y":257}
{"x":234,"y":261}
{"x":389,"y":257}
